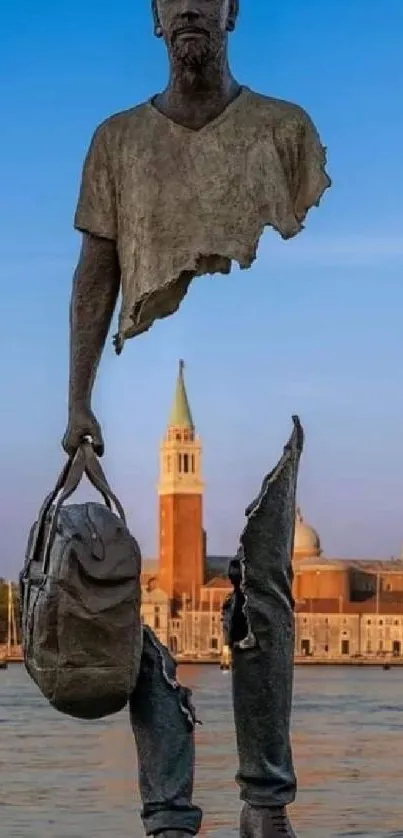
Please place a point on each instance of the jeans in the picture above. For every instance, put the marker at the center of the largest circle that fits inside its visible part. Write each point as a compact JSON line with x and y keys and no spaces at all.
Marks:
{"x":260,"y":628}
{"x":163,"y":720}
{"x":258,"y":623}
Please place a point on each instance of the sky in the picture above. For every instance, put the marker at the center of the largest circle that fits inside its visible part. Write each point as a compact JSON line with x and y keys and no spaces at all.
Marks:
{"x":315,"y":327}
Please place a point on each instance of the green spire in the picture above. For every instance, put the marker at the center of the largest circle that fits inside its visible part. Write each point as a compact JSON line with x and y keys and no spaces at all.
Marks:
{"x":181,"y":415}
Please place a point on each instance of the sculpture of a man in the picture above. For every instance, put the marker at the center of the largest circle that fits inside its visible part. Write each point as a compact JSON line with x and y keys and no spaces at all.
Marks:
{"x":180,"y":186}
{"x":177,"y":187}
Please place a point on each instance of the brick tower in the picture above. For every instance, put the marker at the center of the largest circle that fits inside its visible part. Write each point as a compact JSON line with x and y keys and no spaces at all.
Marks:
{"x":180,"y":490}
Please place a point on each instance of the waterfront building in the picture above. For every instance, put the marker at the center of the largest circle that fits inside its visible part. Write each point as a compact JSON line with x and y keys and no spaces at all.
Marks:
{"x":344,"y":608}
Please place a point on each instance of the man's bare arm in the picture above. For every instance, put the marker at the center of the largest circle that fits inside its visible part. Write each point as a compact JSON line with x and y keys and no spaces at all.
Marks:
{"x":95,"y":291}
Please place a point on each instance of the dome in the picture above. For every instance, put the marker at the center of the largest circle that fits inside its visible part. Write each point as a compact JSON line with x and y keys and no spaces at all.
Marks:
{"x":306,"y":539}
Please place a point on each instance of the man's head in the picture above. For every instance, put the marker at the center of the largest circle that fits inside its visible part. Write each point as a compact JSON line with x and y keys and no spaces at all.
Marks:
{"x":195,"y":31}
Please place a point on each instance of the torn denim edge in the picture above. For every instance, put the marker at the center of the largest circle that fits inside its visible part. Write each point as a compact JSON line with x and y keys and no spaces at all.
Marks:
{"x":292,"y":448}
{"x":187,"y":709}
{"x":248,"y":642}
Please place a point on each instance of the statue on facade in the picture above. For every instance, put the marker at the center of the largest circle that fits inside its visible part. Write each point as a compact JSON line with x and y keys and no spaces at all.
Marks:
{"x":177,"y":187}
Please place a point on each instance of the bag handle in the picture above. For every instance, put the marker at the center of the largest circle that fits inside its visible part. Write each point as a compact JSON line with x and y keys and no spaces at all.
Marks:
{"x":83,"y":461}
{"x":74,"y":469}
{"x":96,"y":476}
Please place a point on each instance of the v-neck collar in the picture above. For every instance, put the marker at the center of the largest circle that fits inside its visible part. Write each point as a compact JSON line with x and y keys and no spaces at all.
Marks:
{"x":209,"y":125}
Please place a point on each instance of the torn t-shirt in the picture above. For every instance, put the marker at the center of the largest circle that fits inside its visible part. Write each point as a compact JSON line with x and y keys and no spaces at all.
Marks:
{"x":181,"y":203}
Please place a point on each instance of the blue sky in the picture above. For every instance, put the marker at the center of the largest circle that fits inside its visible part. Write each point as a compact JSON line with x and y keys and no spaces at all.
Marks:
{"x":315,"y":327}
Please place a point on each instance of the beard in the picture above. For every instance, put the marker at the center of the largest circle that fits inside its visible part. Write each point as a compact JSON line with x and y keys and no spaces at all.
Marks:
{"x":195,"y":58}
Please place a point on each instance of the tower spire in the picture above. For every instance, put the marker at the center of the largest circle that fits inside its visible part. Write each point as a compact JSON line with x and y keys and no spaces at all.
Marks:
{"x":181,"y":415}
{"x":180,"y":490}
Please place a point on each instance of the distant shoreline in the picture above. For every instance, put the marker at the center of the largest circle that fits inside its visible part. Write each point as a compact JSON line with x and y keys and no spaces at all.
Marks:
{"x":188,"y":660}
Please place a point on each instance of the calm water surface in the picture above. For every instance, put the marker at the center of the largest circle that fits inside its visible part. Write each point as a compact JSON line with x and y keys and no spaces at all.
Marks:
{"x":65,"y":779}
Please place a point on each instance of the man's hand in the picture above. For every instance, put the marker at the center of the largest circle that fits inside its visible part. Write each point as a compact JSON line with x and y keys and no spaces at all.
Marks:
{"x":82,"y":423}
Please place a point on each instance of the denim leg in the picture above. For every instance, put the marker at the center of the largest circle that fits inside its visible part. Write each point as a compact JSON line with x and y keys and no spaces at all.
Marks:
{"x":259,"y":622}
{"x":163,"y":720}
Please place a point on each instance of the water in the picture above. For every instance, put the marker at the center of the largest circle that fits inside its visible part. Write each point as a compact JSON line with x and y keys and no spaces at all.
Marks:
{"x":65,"y":779}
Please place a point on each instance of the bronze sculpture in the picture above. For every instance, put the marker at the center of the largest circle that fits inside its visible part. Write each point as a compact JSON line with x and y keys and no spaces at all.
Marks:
{"x":177,"y":187}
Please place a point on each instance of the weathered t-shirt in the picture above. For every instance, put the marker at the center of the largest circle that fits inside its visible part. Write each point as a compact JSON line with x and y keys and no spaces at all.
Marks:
{"x":180,"y":203}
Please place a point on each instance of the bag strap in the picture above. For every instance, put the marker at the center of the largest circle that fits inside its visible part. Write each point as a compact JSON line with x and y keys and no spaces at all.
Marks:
{"x":83,"y":461}
{"x":96,"y":476}
{"x":73,"y":468}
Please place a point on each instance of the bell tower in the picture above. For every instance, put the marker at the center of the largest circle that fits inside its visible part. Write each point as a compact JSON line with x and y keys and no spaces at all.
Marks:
{"x":180,"y":490}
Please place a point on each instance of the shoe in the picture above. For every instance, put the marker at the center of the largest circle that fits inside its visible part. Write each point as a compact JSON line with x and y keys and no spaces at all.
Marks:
{"x":261,"y":822}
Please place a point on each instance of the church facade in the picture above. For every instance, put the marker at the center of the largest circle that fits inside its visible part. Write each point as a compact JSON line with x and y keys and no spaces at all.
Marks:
{"x":344,"y":609}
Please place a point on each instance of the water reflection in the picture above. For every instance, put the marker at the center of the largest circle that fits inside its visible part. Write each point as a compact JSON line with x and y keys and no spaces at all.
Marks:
{"x":66,"y":778}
